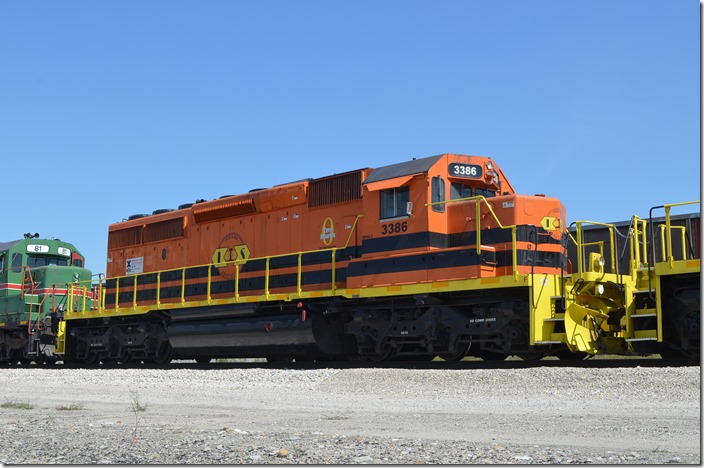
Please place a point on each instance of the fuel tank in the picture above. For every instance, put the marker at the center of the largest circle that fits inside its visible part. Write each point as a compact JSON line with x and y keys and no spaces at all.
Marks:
{"x":242,"y":332}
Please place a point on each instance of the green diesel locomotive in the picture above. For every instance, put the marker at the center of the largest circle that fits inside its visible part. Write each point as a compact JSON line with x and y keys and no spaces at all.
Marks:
{"x":35,"y":275}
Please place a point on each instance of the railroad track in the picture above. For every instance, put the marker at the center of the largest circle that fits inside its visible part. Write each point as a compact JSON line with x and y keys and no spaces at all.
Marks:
{"x":439,"y":365}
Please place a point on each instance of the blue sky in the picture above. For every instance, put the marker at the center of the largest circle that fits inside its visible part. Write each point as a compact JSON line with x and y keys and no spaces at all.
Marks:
{"x":113,"y":108}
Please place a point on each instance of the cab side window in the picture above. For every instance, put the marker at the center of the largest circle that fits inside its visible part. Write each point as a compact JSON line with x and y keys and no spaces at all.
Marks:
{"x":438,"y":195}
{"x":17,"y":262}
{"x":394,"y":202}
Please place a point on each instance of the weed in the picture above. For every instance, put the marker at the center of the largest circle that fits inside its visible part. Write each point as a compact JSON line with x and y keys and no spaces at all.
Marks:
{"x":14,"y":404}
{"x":336,"y":417}
{"x":135,"y":405}
{"x":71,"y":407}
{"x":298,"y":452}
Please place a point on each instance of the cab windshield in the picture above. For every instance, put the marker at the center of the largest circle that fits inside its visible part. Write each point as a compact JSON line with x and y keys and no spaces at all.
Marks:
{"x":34,"y":261}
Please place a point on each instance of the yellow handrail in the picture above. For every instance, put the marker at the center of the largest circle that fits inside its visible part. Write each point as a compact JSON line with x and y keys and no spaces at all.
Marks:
{"x":580,"y":244}
{"x":85,"y":297}
{"x":266,"y":277}
{"x":639,"y":237}
{"x":237,"y":281}
{"x":666,"y":242}
{"x":76,"y":290}
{"x":158,"y":289}
{"x":514,"y":228}
{"x":183,"y":285}
{"x":117,"y":293}
{"x":236,"y":263}
{"x":210,"y":281}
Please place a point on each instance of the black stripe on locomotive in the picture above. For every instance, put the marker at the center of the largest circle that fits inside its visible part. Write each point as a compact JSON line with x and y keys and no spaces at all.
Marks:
{"x":374,"y":266}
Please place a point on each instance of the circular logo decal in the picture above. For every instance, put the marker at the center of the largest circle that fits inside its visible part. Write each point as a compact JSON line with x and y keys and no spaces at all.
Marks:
{"x":328,"y":232}
{"x":231,"y":248}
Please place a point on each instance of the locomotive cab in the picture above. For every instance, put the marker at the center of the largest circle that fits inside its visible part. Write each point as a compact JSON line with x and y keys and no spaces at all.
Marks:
{"x":452,"y":217}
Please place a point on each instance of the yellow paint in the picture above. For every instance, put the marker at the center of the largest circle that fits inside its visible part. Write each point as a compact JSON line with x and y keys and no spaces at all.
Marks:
{"x":223,"y":255}
{"x":490,"y":280}
{"x":550,"y":223}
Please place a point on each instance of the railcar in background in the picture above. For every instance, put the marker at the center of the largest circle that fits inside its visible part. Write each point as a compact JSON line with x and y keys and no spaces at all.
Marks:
{"x":656,"y":263}
{"x":35,"y":276}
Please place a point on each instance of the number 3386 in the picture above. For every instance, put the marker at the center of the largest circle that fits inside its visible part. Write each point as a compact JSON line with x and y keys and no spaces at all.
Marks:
{"x":394,"y":228}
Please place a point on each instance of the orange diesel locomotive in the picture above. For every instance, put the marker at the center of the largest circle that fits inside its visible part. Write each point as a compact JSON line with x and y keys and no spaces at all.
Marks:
{"x":436,"y":256}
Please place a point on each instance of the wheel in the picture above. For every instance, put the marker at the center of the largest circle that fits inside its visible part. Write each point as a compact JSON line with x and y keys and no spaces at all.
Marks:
{"x":567,"y":355}
{"x":91,"y":359}
{"x":458,"y":354}
{"x":125,"y":359}
{"x":413,"y":358}
{"x":533,"y":355}
{"x":491,"y":356}
{"x":24,"y":361}
{"x":384,"y":355}
{"x":46,"y":360}
{"x":164,"y":354}
{"x":667,"y":352}
{"x":18,"y":357}
{"x":70,"y":363}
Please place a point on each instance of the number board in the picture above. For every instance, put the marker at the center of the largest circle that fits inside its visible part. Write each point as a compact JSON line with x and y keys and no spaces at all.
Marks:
{"x":37,"y":248}
{"x":471,"y":171}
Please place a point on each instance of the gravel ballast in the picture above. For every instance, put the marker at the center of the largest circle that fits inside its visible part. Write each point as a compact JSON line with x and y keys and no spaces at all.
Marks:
{"x":544,"y":415}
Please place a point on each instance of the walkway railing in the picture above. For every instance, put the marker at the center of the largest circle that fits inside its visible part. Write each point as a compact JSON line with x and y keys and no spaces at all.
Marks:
{"x":479,"y":199}
{"x":132,"y":281}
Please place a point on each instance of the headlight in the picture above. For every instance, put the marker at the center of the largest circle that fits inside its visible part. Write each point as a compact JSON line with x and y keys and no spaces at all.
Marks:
{"x":600,"y":289}
{"x":597,"y":261}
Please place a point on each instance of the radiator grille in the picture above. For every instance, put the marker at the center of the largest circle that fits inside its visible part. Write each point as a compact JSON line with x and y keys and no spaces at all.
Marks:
{"x":125,"y":237}
{"x":164,"y":230}
{"x":335,"y":189}
{"x":224,"y":210}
